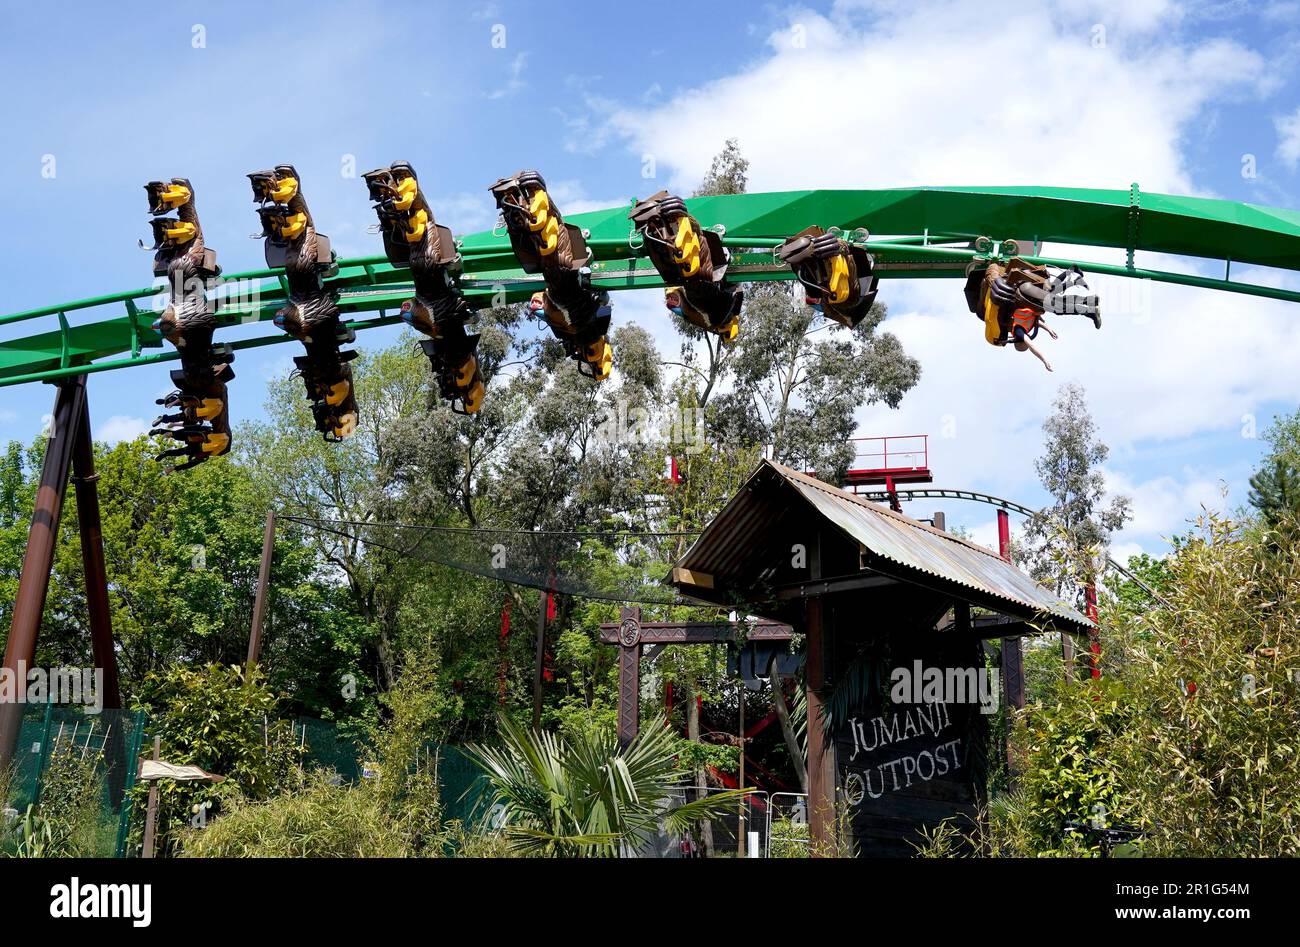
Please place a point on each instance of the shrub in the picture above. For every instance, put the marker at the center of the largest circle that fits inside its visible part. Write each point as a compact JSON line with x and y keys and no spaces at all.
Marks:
{"x":320,"y":820}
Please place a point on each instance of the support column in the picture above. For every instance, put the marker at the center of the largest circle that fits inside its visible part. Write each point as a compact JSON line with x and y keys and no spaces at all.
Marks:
{"x":263,"y":591}
{"x":821,"y":752}
{"x":85,"y":482}
{"x":629,"y":675}
{"x":539,"y":660}
{"x":38,"y":559}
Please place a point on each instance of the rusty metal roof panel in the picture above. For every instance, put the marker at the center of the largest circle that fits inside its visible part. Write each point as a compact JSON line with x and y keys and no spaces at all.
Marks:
{"x":915,"y":545}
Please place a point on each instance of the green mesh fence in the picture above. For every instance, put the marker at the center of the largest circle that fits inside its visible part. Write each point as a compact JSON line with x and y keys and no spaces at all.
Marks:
{"x":462,"y":785}
{"x":77,"y":768}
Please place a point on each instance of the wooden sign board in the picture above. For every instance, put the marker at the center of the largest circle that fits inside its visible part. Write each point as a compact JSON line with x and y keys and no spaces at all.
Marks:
{"x":913,"y":751}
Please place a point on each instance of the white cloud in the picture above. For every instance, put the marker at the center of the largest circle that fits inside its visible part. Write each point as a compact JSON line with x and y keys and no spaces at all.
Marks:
{"x":1165,"y":505}
{"x":121,"y":427}
{"x":514,"y":81}
{"x":910,"y":98}
{"x":1288,"y":138}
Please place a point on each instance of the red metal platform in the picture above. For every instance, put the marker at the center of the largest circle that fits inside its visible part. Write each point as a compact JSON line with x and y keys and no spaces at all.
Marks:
{"x":900,"y":458}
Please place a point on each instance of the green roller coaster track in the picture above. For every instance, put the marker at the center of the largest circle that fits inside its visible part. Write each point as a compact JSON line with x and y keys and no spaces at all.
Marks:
{"x":918,"y":233}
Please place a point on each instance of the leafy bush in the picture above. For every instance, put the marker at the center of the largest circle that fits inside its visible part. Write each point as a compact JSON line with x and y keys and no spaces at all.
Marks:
{"x":72,"y":790}
{"x":1072,"y":771}
{"x":789,"y":839}
{"x":222,"y":719}
{"x":396,"y":812}
{"x":1211,"y":760}
{"x":1190,"y":738}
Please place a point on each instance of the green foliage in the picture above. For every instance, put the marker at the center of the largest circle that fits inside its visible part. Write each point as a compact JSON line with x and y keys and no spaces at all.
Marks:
{"x":1071,"y":773}
{"x":224,"y":720}
{"x":1189,"y":738}
{"x":586,"y":796}
{"x":318,"y":820}
{"x":182,"y":554}
{"x":1211,"y":763}
{"x":1065,"y":540}
{"x":789,"y":839}
{"x":34,"y":836}
{"x":1275,"y":492}
{"x":72,"y":789}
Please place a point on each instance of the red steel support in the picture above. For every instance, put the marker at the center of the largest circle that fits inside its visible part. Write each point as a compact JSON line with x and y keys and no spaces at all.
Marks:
{"x":1094,"y":637}
{"x":539,"y":661}
{"x":1013,"y":660}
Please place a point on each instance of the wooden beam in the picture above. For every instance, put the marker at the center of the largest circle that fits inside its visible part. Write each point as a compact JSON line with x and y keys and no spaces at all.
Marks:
{"x":682,"y":576}
{"x":668,"y":632}
{"x":848,"y":583}
{"x":38,"y":557}
{"x":629,"y":676}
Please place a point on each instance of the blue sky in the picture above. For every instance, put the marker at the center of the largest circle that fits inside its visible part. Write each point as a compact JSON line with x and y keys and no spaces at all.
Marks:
{"x":847,"y":94}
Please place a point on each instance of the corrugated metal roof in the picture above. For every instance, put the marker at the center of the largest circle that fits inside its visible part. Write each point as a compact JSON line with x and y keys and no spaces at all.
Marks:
{"x":886,"y":534}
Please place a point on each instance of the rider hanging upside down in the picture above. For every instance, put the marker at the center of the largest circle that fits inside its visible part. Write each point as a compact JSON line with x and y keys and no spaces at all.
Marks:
{"x":1010,"y":300}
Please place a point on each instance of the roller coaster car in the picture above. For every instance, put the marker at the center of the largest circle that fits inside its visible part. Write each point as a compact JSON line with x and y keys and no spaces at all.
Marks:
{"x":684,"y":252}
{"x":453,"y":355}
{"x":202,"y":423}
{"x":586,"y":341}
{"x":713,"y":307}
{"x":166,"y":196}
{"x":279,"y":185}
{"x":834,"y":270}
{"x":286,"y":222}
{"x":178,"y":240}
{"x":678,"y":246}
{"x":1047,"y":289}
{"x":994,"y":292}
{"x":991,"y":298}
{"x":406,"y":219}
{"x":540,"y":238}
{"x":331,"y":392}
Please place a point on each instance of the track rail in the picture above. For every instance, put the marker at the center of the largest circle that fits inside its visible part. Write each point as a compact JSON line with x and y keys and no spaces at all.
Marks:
{"x":1009,"y":505}
{"x":923,"y":233}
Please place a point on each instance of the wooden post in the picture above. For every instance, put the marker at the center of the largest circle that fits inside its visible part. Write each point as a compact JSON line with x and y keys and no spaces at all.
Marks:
{"x":629,"y":675}
{"x":1013,"y":659}
{"x":38,"y":558}
{"x":821,"y":746}
{"x":740,"y":779}
{"x":263,"y":590}
{"x":821,"y":770}
{"x":151,"y":810}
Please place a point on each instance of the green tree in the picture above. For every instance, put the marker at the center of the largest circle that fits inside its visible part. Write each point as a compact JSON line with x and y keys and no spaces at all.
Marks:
{"x":1066,"y":540}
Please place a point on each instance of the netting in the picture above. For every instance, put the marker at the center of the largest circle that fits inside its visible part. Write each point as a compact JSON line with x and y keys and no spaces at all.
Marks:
{"x":610,"y":566}
{"x":462,"y":785}
{"x":77,"y":769}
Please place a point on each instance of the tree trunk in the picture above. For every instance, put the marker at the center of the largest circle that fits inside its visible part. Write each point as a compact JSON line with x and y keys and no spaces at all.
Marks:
{"x":787,"y":728}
